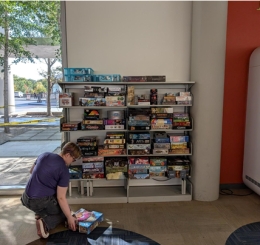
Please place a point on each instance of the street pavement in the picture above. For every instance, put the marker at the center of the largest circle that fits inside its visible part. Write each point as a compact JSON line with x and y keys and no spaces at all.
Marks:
{"x":23,"y":106}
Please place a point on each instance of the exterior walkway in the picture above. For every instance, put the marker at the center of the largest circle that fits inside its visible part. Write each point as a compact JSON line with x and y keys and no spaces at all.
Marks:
{"x":18,"y":154}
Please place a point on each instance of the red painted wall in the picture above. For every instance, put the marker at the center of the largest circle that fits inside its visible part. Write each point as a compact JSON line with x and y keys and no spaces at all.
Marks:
{"x":243,"y":36}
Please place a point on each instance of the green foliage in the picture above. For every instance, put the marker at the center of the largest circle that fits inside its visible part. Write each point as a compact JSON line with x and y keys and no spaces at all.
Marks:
{"x":26,"y":20}
{"x":39,"y":88}
{"x":29,"y":85}
{"x":44,"y":82}
{"x":23,"y":23}
{"x":22,"y":84}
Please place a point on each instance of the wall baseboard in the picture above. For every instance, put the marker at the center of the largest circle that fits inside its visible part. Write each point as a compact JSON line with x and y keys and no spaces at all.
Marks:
{"x":232,"y":186}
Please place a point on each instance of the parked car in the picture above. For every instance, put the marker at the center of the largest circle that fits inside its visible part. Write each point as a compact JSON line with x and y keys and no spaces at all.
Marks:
{"x":18,"y":94}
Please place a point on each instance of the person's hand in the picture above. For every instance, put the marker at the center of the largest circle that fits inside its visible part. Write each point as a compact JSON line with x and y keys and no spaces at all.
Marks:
{"x":72,"y":223}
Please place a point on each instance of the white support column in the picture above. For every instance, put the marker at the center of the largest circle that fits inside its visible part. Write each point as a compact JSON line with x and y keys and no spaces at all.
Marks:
{"x":207,"y":69}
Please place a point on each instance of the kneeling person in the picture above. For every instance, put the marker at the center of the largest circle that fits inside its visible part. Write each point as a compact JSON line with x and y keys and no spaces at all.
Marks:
{"x":45,"y":192}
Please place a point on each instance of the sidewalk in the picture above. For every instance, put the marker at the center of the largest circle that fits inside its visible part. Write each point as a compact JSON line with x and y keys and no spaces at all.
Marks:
{"x":33,"y":122}
{"x":19,"y":153}
{"x":20,"y":148}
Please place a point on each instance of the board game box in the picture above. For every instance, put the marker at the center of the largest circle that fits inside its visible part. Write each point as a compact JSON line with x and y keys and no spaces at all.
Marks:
{"x":88,"y":221}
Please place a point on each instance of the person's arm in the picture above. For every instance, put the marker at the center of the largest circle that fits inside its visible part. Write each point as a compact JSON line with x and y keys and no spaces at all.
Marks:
{"x":61,"y":197}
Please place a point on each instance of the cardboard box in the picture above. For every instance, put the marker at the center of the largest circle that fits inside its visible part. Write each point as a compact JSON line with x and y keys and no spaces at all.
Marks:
{"x":134,"y":78}
{"x":138,"y":127}
{"x":161,"y":115}
{"x":75,"y":171}
{"x":156,"y":78}
{"x":88,"y":148}
{"x":162,"y":126}
{"x":93,"y":122}
{"x":69,"y":129}
{"x":81,"y":144}
{"x":158,"y":161}
{"x":87,"y":139}
{"x":162,"y":110}
{"x":66,"y":99}
{"x":115,"y":100}
{"x":93,"y":175}
{"x":116,"y":146}
{"x":91,"y":114}
{"x":92,"y":127}
{"x":179,"y":151}
{"x":178,"y":138}
{"x":138,"y":152}
{"x":160,"y":151}
{"x":92,"y":101}
{"x":139,"y":141}
{"x":92,"y":159}
{"x":157,"y":171}
{"x":89,"y":153}
{"x":179,"y":145}
{"x":110,"y":152}
{"x":88,"y":226}
{"x":116,"y":135}
{"x":139,"y":146}
{"x":114,"y":141}
{"x":114,"y":165}
{"x":112,"y":127}
{"x":71,"y":124}
{"x":114,"y":121}
{"x":161,"y":145}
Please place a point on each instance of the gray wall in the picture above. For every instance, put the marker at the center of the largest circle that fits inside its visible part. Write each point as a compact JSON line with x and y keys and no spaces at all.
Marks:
{"x":130,"y":38}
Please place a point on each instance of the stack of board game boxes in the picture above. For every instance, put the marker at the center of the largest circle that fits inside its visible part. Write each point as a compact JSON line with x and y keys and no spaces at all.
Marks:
{"x":114,"y":144}
{"x":88,"y":145}
{"x":103,"y":96}
{"x":93,"y":167}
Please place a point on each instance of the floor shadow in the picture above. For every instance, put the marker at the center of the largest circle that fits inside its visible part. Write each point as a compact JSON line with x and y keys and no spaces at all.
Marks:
{"x":101,"y":235}
{"x":246,"y":235}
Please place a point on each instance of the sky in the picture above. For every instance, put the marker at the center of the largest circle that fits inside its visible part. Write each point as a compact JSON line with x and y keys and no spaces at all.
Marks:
{"x":30,"y":70}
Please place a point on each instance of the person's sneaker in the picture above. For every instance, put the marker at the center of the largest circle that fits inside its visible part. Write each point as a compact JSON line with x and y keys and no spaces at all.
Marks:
{"x":42,"y":230}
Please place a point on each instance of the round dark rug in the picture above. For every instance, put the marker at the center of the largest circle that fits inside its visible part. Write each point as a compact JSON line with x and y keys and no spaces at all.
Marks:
{"x":245,"y":235}
{"x":100,"y":235}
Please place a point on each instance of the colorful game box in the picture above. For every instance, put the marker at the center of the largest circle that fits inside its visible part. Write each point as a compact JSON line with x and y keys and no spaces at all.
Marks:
{"x":75,"y":171}
{"x":66,"y":99}
{"x":93,"y":219}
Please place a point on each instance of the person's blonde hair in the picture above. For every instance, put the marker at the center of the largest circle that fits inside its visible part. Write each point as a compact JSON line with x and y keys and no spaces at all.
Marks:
{"x":72,"y":149}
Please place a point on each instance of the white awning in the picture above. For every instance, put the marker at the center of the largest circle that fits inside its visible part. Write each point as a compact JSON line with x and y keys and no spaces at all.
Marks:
{"x":40,"y":51}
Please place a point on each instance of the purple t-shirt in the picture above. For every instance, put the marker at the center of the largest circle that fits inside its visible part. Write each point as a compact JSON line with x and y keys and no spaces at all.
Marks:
{"x":50,"y":171}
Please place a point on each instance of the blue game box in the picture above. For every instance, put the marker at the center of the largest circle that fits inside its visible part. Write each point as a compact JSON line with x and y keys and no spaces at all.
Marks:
{"x":88,"y":226}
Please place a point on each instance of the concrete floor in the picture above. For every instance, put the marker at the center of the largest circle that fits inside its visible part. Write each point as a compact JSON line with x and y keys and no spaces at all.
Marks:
{"x":168,"y":223}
